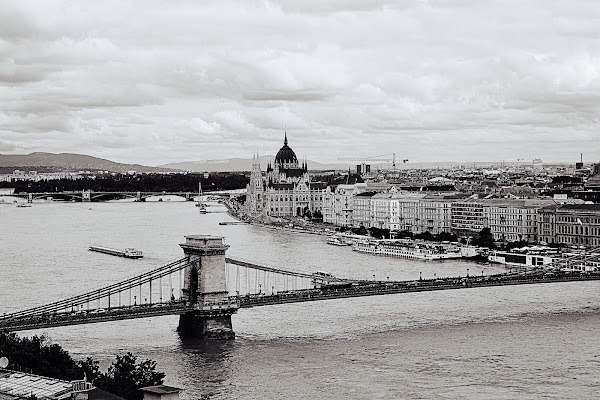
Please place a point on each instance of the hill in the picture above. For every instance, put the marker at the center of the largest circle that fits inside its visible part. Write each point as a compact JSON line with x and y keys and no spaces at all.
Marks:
{"x":242,"y":164}
{"x":50,"y":162}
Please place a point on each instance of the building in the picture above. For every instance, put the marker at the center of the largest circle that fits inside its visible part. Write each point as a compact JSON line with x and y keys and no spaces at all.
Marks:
{"x":434,"y":212}
{"x":514,"y":219}
{"x":577,"y":224}
{"x":16,"y":385}
{"x":361,"y":216}
{"x":160,"y":392}
{"x":285,"y":191}
{"x":467,"y":216}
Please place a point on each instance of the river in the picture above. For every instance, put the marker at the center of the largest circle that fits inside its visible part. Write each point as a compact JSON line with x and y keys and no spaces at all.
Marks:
{"x":527,"y":342}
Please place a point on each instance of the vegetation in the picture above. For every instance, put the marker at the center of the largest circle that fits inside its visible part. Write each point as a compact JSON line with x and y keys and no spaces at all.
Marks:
{"x":135,"y":183}
{"x":41,"y":357}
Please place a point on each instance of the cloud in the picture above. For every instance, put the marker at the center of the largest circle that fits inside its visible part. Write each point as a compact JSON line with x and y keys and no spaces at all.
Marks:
{"x":426,"y":79}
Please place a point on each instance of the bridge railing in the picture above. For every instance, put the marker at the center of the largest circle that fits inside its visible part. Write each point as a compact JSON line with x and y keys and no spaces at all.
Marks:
{"x":104,"y":292}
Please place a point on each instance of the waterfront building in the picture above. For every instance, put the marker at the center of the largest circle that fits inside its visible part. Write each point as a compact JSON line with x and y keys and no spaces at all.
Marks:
{"x":361,"y":216}
{"x":381,"y":211}
{"x":285,"y":191}
{"x":514,"y":219}
{"x":572,"y":224}
{"x":434,"y":212}
{"x":407,"y":206}
{"x":341,"y":204}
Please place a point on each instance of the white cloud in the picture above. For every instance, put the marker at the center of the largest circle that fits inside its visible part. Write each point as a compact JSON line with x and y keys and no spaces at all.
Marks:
{"x":431,"y":80}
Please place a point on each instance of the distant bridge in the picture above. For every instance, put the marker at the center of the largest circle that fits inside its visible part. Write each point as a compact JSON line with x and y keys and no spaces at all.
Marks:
{"x":90,"y":195}
{"x":197,"y":287}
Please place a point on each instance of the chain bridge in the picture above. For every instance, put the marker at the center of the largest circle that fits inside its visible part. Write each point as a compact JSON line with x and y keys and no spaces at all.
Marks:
{"x":205,"y":288}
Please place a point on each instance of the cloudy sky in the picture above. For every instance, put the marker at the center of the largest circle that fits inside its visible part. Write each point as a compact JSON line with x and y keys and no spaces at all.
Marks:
{"x":154,"y":82}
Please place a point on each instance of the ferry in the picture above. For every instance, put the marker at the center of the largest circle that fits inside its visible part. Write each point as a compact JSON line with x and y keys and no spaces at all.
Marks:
{"x":127,"y":253}
{"x":337,"y":241}
{"x":406,"y":248}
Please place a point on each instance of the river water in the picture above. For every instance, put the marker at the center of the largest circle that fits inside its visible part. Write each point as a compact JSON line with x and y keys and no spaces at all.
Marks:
{"x":527,"y":342}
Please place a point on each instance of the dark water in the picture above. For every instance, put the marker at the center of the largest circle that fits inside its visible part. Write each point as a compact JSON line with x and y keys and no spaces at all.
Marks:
{"x":526,"y":342}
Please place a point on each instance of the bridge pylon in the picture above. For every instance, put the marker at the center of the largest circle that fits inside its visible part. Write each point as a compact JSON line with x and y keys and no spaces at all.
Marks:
{"x":205,"y":287}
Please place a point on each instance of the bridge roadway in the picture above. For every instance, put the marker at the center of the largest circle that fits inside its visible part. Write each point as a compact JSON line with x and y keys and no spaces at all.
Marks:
{"x":334,"y":291}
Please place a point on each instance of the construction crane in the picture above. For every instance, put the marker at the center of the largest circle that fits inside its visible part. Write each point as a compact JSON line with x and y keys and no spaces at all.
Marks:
{"x":380,"y":158}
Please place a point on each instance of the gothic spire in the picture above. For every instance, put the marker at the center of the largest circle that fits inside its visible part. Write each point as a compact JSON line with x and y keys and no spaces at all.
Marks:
{"x":285,"y":138}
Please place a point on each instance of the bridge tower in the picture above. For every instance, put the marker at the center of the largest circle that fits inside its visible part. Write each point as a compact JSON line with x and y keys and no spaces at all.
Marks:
{"x":205,"y":287}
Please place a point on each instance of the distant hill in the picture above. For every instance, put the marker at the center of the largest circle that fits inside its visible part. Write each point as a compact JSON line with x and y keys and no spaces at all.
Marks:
{"x":242,"y":164}
{"x":50,"y":162}
{"x":245,"y":164}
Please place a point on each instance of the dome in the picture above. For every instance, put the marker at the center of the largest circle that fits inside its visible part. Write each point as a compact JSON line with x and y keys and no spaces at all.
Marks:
{"x":286,"y":155}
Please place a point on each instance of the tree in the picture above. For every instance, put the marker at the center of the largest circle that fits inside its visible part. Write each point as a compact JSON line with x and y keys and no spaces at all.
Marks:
{"x":307,"y":214}
{"x":318,"y":216}
{"x":37,"y":354}
{"x":425,"y":236}
{"x":485,"y":239}
{"x":125,"y":378}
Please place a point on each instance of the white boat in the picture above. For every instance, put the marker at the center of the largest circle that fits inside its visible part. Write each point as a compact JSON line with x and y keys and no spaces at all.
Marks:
{"x":404,"y":248}
{"x":337,"y":241}
{"x":23,"y":205}
{"x":127,"y":253}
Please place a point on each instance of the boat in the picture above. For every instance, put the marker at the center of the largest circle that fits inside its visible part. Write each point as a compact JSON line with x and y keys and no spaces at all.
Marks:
{"x":202,"y":208}
{"x":337,"y":241}
{"x":23,"y":205}
{"x":127,"y":253}
{"x":233,"y":223}
{"x":405,"y":248}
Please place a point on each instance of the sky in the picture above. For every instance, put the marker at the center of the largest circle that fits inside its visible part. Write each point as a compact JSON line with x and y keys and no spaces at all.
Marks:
{"x":155,"y":82}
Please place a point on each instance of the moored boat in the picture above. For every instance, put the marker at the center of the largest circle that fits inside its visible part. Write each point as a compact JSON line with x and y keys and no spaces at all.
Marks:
{"x":405,"y":248}
{"x":337,"y":241}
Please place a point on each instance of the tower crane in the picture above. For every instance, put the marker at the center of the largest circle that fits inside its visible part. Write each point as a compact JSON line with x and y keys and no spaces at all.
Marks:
{"x":381,"y":158}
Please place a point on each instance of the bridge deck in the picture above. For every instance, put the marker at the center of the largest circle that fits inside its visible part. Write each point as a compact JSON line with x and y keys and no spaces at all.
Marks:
{"x":28,"y":322}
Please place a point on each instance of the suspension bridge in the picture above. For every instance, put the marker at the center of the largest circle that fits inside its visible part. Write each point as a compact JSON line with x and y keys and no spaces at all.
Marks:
{"x":205,"y":288}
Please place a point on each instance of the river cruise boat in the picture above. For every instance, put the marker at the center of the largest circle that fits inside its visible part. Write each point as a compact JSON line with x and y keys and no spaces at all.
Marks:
{"x":127,"y":253}
{"x":405,"y":248}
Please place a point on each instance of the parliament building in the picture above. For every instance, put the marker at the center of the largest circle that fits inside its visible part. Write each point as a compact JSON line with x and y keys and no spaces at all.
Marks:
{"x":285,"y":191}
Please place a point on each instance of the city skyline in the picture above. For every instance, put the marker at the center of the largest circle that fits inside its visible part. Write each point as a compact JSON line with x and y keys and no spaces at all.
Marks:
{"x":430,"y":81}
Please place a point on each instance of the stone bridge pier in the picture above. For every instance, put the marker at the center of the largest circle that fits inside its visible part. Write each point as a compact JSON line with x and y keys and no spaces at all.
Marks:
{"x":205,"y":288}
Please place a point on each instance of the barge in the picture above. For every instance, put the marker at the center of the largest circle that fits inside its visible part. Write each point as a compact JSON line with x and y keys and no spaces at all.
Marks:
{"x":127,"y":253}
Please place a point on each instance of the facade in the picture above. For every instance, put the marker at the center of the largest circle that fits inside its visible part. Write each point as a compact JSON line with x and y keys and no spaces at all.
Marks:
{"x":468,"y":217}
{"x":514,"y":220}
{"x":362,"y":210}
{"x":285,"y":191}
{"x":577,"y":224}
{"x":434,"y":213}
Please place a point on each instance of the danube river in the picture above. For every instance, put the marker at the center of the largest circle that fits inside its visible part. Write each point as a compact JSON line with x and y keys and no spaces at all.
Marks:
{"x":526,"y":342}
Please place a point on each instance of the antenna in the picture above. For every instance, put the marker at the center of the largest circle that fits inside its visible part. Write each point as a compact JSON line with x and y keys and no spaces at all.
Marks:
{"x":3,"y":362}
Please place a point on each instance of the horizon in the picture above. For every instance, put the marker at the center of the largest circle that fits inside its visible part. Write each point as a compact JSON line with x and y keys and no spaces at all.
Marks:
{"x":399,"y":165}
{"x":424,"y":79}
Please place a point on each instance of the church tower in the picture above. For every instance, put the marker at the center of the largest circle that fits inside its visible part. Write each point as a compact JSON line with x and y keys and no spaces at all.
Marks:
{"x":255,"y":189}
